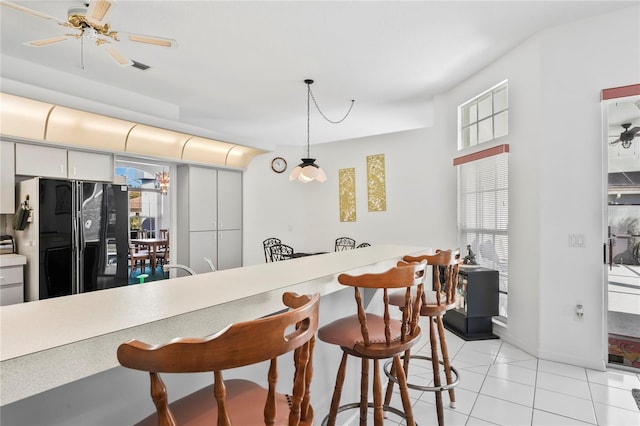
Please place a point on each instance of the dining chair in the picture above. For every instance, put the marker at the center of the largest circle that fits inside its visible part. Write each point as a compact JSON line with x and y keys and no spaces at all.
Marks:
{"x":345,"y":243}
{"x":433,"y":304}
{"x":238,"y":401}
{"x":371,"y":336}
{"x":267,"y":244}
{"x":138,"y":258}
{"x":162,"y":251}
{"x":281,"y":252}
{"x":361,"y":245}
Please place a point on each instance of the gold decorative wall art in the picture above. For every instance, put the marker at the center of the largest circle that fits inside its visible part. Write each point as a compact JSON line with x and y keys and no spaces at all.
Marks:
{"x":347,"y":189}
{"x":376,"y":187}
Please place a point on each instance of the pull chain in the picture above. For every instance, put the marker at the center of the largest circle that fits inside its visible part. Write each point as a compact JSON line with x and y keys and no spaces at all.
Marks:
{"x":82,"y":50}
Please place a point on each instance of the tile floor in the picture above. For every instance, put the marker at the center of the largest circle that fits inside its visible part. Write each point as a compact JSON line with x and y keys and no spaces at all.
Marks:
{"x":502,"y":385}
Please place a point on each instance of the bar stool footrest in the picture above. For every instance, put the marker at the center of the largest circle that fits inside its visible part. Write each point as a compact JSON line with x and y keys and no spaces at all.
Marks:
{"x":354,"y":405}
{"x":445,"y":387}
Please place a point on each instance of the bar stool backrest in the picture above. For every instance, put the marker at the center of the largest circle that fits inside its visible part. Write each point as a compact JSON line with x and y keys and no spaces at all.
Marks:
{"x":445,"y":275}
{"x":404,"y":275}
{"x":238,"y":345}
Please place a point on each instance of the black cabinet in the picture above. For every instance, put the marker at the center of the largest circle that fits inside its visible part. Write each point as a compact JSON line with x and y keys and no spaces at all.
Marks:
{"x":476,"y":303}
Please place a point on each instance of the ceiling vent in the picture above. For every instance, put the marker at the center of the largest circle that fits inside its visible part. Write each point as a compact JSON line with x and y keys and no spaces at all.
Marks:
{"x":139,"y":65}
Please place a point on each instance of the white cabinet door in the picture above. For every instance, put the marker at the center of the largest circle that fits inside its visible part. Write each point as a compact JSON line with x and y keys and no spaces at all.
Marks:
{"x":35,"y":160}
{"x":11,"y":285}
{"x":90,"y":166}
{"x":7,"y":178}
{"x":229,"y":200}
{"x":229,"y":249}
{"x":202,"y":199}
{"x":202,"y":244}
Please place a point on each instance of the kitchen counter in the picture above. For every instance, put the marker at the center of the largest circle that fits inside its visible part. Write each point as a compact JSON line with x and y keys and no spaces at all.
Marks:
{"x":12,"y":260}
{"x":68,"y":338}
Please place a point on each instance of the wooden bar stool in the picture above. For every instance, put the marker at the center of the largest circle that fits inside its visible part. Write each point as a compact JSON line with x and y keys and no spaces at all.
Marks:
{"x":238,"y":402}
{"x":373,"y":337}
{"x":433,"y":305}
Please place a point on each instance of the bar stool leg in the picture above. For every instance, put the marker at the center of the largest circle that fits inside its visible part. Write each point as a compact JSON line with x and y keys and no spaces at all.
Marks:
{"x":337,"y":391}
{"x":389,"y":392}
{"x":364,"y":391}
{"x":378,"y":413}
{"x":436,"y":370}
{"x":447,"y":362}
{"x":404,"y":391}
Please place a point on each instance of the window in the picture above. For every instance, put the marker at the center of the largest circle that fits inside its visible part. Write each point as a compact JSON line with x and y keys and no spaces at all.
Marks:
{"x":483,"y":213}
{"x":485,"y":117}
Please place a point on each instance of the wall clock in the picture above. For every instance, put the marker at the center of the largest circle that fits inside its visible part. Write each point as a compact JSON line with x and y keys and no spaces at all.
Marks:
{"x":278,"y":165}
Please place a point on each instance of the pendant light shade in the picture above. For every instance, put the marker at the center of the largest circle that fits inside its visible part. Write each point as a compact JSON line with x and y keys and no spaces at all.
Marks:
{"x":308,"y":170}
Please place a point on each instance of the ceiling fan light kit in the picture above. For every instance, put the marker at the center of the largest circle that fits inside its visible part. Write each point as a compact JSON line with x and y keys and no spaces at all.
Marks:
{"x":308,"y":170}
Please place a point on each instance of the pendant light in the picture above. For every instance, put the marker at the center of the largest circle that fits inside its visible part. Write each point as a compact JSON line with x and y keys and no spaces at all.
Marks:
{"x":308,"y":170}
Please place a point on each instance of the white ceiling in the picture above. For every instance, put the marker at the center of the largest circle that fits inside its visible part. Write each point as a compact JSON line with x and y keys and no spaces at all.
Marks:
{"x":237,"y":72}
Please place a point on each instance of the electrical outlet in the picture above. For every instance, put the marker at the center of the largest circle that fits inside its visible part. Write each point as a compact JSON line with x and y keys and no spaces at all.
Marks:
{"x":576,"y":240}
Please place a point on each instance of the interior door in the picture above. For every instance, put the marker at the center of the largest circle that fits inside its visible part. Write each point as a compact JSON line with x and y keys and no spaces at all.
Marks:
{"x":622,"y":251}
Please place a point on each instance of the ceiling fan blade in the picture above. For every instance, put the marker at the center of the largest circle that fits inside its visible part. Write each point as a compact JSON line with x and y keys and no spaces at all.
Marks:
{"x":116,"y":56}
{"x":614,"y":142}
{"x":33,"y":13}
{"x":146,"y":39}
{"x":635,"y":130}
{"x":46,"y":41}
{"x":97,"y":11}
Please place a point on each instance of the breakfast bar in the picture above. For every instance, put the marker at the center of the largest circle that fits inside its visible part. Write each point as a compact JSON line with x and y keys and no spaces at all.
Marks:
{"x":53,"y":342}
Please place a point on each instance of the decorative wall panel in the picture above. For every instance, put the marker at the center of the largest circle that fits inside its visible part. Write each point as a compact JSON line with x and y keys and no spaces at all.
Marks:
{"x":347,"y":189}
{"x":376,"y":187}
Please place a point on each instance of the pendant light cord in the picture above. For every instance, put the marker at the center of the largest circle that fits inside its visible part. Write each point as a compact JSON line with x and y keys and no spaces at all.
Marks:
{"x":310,"y":96}
{"x":322,"y":114}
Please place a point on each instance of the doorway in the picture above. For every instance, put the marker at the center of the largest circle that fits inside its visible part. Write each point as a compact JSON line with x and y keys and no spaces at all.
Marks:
{"x":622,"y":123}
{"x":149,"y":217}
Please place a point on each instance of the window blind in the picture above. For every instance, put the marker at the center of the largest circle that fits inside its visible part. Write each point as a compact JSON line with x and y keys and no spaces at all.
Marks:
{"x":483,"y":215}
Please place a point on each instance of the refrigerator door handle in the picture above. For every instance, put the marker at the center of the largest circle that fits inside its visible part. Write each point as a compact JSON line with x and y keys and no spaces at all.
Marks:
{"x":78,"y":238}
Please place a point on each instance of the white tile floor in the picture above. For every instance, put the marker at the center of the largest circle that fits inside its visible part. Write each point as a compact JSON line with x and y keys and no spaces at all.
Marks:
{"x":502,"y":385}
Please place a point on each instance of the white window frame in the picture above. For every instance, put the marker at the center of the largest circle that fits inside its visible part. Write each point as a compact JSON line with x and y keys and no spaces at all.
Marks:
{"x":485,"y":117}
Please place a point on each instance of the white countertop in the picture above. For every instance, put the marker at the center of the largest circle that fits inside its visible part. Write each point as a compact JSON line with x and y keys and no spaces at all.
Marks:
{"x":12,"y":260}
{"x":62,"y":333}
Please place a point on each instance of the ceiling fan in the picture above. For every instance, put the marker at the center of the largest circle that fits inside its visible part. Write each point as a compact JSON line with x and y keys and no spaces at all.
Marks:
{"x":89,"y":22}
{"x":627,"y":135}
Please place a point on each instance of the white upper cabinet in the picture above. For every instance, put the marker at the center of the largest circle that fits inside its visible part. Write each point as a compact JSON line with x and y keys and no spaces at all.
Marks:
{"x":45,"y":161}
{"x":90,"y":166}
{"x":229,"y":200}
{"x":7,"y":178}
{"x":202,"y":199}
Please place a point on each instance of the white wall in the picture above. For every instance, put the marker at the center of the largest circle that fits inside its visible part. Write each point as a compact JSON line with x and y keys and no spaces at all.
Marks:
{"x":556,"y":188}
{"x":420,"y":188}
{"x":578,"y":61}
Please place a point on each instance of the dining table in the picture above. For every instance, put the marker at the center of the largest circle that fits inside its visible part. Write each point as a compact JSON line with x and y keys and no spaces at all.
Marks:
{"x":153,"y":244}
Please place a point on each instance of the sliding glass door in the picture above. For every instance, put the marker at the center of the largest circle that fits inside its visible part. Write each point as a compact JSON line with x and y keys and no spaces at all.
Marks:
{"x":623,"y":227}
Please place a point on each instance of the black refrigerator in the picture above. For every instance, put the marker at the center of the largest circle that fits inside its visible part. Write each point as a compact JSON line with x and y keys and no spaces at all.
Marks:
{"x":81,"y":237}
